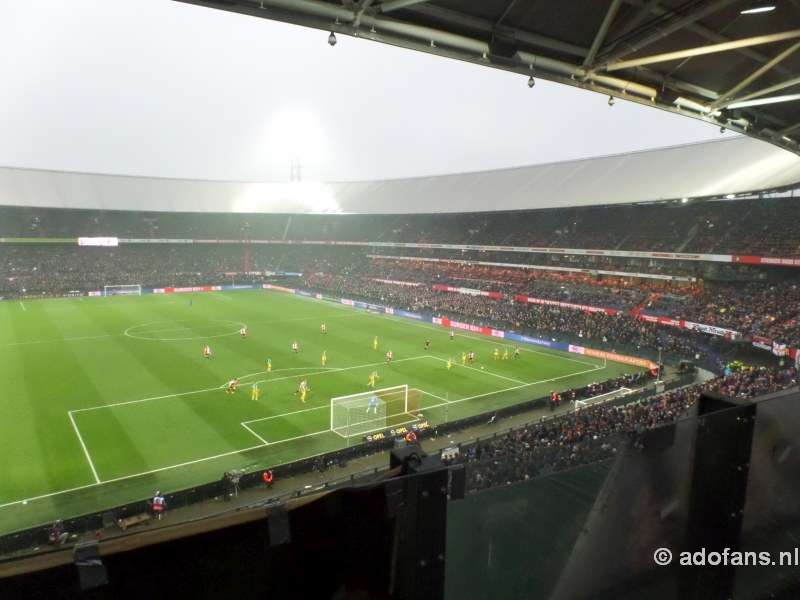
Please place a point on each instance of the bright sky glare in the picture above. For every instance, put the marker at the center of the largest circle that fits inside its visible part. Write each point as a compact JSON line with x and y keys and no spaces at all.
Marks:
{"x":165,"y":89}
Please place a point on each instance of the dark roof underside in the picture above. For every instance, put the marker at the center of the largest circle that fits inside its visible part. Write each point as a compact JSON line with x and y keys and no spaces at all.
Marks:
{"x":700,"y":58}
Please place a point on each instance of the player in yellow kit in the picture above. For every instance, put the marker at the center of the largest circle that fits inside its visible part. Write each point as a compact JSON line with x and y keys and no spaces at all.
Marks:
{"x":449,"y":363}
{"x":372,"y":378}
{"x":505,"y":354}
{"x":375,"y":343}
{"x":254,"y":392}
{"x":496,"y":354}
{"x":269,"y":365}
{"x":303,"y":389}
{"x":463,"y":359}
{"x":324,"y":358}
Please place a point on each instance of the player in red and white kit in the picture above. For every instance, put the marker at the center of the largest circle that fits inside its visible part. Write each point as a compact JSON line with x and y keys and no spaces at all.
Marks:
{"x":243,"y":331}
{"x":232,"y":386}
{"x":207,"y":351}
{"x":294,"y":347}
{"x":389,"y":356}
{"x":323,"y":329}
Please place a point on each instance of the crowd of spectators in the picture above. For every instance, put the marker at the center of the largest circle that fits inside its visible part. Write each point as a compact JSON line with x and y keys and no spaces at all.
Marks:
{"x":620,"y":333}
{"x":594,"y":433}
{"x":750,"y":226}
{"x":767,"y":308}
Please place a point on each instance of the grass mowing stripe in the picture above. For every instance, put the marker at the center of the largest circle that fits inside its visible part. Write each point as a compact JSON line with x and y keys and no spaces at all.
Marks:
{"x":179,"y":394}
{"x":52,"y":371}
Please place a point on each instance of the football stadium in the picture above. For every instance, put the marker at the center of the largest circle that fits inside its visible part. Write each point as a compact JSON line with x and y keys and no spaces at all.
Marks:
{"x":576,"y":379}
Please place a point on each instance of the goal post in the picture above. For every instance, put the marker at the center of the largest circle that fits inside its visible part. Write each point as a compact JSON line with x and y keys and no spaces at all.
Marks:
{"x":603,"y":398}
{"x":373,"y":410}
{"x":122,"y":290}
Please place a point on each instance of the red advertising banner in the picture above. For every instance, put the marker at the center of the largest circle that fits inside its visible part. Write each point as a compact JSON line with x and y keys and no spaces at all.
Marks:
{"x":766,"y":260}
{"x":629,"y":360}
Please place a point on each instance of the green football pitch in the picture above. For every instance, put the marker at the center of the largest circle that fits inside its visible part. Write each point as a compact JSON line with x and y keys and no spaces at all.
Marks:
{"x":105,"y":400}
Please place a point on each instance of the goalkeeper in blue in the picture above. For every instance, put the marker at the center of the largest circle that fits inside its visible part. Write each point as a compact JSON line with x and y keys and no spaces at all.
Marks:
{"x":373,"y":405}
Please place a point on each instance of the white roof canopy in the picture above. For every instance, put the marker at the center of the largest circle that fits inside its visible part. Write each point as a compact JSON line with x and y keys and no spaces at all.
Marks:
{"x":706,"y":170}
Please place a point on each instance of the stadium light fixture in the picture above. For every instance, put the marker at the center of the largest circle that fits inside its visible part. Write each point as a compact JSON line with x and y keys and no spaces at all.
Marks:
{"x":758,"y":7}
{"x":531,"y":81}
{"x":332,"y":39}
{"x":611,"y":100}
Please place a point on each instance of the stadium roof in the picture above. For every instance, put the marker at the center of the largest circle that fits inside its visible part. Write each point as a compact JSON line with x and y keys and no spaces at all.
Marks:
{"x":700,"y":58}
{"x":728,"y":62}
{"x":706,"y":170}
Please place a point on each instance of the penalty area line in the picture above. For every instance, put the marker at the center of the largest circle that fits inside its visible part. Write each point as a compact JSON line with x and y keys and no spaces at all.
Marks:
{"x":517,"y":387}
{"x":483,"y":372}
{"x":83,"y":445}
{"x":159,"y":470}
{"x":266,"y":443}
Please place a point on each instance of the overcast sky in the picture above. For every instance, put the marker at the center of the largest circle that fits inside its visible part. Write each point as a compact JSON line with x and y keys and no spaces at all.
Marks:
{"x":166,"y":89}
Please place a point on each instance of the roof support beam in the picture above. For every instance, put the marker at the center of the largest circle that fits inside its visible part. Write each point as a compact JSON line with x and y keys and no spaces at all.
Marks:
{"x":691,"y":52}
{"x":713,"y":36}
{"x":640,"y":17}
{"x":789,"y":129}
{"x":601,"y":33}
{"x":487,"y":27}
{"x":364,"y":6}
{"x":756,"y":74}
{"x":398,"y":4}
{"x":660,"y":33}
{"x":763,"y":92}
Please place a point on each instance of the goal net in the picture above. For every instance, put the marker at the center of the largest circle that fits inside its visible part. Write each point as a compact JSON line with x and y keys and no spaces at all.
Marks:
{"x":602,"y":398}
{"x":362,"y":413}
{"x":122,"y":290}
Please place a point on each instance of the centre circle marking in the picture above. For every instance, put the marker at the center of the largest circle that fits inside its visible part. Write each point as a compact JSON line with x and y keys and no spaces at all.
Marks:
{"x":178,"y":326}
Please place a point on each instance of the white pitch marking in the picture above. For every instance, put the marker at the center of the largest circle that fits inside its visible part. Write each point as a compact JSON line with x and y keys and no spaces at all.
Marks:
{"x":289,"y":414}
{"x":482,"y":338}
{"x":241,"y":450}
{"x":83,"y":445}
{"x":328,"y":370}
{"x":483,"y":371}
{"x":510,"y":389}
{"x":23,"y":306}
{"x":266,"y":443}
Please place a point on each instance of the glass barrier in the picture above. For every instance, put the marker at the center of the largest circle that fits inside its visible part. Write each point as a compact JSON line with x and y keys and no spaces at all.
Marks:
{"x":596,"y":519}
